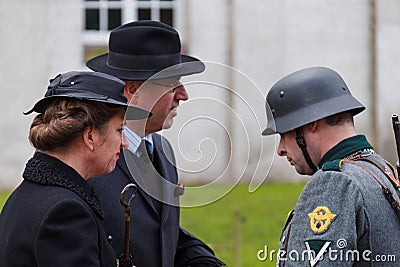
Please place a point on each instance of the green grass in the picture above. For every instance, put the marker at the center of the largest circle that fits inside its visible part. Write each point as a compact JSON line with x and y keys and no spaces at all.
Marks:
{"x":263,"y":215}
{"x":240,"y":224}
{"x":3,"y":198}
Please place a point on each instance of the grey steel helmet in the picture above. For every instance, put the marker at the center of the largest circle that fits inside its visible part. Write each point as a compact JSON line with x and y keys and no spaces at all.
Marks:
{"x":305,"y":96}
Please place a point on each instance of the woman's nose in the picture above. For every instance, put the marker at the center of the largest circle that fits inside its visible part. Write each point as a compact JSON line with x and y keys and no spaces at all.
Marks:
{"x":124,"y":141}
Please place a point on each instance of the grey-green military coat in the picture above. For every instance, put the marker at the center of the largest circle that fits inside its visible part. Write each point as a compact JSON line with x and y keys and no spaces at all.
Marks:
{"x":343,"y":219}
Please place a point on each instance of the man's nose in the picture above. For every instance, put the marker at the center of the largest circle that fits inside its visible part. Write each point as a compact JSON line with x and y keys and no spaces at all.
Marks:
{"x":181,"y":93}
{"x":281,"y":151}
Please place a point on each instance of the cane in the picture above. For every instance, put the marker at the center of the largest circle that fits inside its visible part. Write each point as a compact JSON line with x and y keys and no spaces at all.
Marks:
{"x":125,"y":260}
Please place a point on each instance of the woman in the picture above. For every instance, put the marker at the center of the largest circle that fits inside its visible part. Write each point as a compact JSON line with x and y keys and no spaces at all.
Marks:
{"x":54,"y":218}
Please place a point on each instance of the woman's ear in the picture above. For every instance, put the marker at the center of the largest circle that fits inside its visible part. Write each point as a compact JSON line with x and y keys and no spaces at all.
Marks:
{"x":88,"y":138}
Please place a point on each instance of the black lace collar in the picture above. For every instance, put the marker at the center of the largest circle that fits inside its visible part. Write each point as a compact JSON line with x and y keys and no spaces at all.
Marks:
{"x":47,"y":170}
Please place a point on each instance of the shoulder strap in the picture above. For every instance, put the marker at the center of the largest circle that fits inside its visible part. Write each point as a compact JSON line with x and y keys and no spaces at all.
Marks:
{"x":393,"y":178}
{"x":386,"y":191}
{"x":288,"y":226}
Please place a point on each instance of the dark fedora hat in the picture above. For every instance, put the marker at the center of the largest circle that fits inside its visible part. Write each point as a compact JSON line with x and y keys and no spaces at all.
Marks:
{"x":145,"y":49}
{"x":91,"y":86}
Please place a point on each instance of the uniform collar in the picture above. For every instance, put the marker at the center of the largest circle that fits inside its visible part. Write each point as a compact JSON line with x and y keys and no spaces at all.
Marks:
{"x":346,"y":148}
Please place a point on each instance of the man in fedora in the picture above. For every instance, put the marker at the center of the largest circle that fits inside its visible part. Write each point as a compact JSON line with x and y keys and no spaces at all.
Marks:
{"x":147,"y":56}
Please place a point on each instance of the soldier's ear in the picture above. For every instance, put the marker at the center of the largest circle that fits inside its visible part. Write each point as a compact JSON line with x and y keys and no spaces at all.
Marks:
{"x":313,"y":126}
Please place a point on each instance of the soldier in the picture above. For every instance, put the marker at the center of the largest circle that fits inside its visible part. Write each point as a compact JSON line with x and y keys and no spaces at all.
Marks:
{"x":342,"y":217}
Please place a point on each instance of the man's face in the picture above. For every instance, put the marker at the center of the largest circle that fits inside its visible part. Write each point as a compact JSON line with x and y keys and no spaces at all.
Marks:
{"x":288,"y":148}
{"x":162,"y":98}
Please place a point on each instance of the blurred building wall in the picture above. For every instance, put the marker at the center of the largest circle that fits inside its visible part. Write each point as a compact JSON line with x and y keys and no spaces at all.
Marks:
{"x":38,"y":40}
{"x":217,"y":132}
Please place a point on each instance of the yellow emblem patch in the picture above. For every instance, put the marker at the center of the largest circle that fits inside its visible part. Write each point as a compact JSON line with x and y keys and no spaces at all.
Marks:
{"x":320,"y":219}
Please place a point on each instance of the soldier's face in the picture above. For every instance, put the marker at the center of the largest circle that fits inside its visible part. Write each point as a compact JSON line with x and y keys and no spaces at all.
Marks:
{"x":288,"y":148}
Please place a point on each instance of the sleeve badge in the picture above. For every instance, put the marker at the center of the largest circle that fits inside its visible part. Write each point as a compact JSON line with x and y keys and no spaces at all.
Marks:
{"x":320,"y":219}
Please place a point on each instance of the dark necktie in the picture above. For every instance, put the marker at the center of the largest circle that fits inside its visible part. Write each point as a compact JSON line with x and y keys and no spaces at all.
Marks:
{"x":146,"y":148}
{"x":149,"y":149}
{"x":150,"y":173}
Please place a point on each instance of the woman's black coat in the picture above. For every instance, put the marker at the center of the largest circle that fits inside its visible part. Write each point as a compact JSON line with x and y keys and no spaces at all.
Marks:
{"x":53,"y":218}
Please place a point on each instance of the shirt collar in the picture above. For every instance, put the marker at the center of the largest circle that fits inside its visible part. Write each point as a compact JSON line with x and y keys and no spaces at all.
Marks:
{"x":345,"y":148}
{"x":134,"y":140}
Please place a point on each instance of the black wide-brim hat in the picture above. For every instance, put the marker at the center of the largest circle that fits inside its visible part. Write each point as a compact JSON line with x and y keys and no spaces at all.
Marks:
{"x":90,"y":86}
{"x":143,"y":50}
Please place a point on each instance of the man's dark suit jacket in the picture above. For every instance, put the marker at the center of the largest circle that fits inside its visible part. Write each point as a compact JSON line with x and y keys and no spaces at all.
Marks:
{"x":155,"y":234}
{"x":53,"y":219}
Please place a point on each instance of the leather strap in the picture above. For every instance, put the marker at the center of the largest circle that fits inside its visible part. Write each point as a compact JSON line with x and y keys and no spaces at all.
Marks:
{"x":285,"y":238}
{"x":386,"y":191}
{"x":303,"y":146}
{"x":391,"y":175}
{"x":288,"y":225}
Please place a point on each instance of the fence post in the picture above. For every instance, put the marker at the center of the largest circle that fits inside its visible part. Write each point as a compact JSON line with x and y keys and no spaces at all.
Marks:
{"x":238,"y":220}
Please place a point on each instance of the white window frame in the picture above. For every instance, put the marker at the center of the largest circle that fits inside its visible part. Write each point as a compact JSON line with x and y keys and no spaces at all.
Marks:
{"x":128,"y":13}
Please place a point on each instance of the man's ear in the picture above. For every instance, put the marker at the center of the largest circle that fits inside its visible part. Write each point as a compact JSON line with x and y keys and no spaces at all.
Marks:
{"x":88,"y":138}
{"x":128,"y":92}
{"x":312,"y":126}
{"x":131,"y":90}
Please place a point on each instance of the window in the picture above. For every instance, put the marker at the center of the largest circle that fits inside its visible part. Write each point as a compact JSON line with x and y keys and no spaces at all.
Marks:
{"x":101,"y":16}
